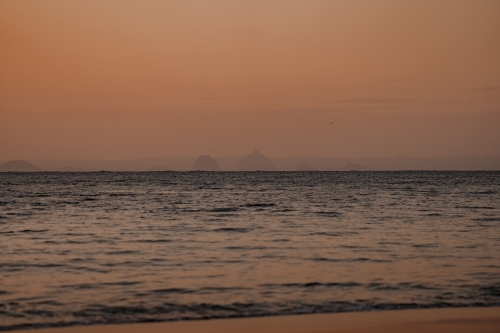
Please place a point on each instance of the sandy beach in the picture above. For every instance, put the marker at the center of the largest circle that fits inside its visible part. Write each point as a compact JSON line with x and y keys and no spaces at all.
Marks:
{"x":458,"y":320}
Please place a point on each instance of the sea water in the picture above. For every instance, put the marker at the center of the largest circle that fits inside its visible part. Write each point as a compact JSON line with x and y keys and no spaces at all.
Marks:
{"x":91,"y":248}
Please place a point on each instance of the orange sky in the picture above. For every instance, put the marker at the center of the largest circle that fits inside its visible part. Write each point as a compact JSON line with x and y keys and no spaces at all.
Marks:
{"x":126,"y":79}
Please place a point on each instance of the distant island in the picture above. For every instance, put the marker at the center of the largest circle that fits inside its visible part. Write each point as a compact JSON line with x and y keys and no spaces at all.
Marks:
{"x":304,"y":166}
{"x":206,"y":163}
{"x":18,"y":166}
{"x":255,"y":162}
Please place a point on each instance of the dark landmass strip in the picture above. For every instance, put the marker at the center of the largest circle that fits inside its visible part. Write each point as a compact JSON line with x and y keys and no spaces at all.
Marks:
{"x":159,"y":168}
{"x":233,"y":163}
{"x":71,"y":169}
{"x":356,"y":167}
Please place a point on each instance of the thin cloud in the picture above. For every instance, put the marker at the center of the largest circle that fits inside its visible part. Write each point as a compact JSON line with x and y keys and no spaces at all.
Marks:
{"x":373,"y":101}
{"x":488,"y":88}
{"x":183,"y":87}
{"x":438,"y":101}
{"x":401,"y":80}
{"x":212,"y":98}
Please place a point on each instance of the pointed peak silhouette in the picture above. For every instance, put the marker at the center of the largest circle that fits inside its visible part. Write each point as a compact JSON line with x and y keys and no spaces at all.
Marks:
{"x":256,"y":152}
{"x":256,"y":161}
{"x":304,"y":166}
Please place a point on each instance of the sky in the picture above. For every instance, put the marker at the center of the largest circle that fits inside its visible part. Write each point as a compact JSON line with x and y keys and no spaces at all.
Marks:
{"x":130,"y":79}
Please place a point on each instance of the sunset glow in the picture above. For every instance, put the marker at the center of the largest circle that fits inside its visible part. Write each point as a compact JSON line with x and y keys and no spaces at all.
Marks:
{"x":222,"y":77}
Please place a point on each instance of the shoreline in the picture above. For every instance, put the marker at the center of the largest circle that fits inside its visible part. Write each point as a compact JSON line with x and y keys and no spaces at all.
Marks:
{"x":456,"y":320}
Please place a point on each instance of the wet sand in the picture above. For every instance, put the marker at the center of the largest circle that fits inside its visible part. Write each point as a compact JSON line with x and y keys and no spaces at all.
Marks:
{"x":458,"y":320}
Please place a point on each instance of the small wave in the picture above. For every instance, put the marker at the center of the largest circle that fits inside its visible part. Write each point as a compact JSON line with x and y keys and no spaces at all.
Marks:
{"x":260,"y":205}
{"x":370,"y":259}
{"x":327,"y":259}
{"x":222,"y":289}
{"x":153,"y":241}
{"x":474,"y":207}
{"x":285,"y":210}
{"x":349,"y":259}
{"x":122,"y":252}
{"x":224,"y":209}
{"x":52,"y":242}
{"x":62,"y":203}
{"x":425,"y":245}
{"x":485,"y":192}
{"x":408,"y":285}
{"x":98,"y":285}
{"x":28,"y":265}
{"x":491,"y":290}
{"x":246,"y":248}
{"x":187,"y":210}
{"x":231,"y":230}
{"x":209,"y":261}
{"x":77,"y":234}
{"x":173,"y":291}
{"x":93,"y":270}
{"x":71,"y":241}
{"x":382,"y":286}
{"x":329,"y":213}
{"x":312,"y":285}
{"x":353,"y":247}
{"x":47,"y":302}
{"x":332,"y":234}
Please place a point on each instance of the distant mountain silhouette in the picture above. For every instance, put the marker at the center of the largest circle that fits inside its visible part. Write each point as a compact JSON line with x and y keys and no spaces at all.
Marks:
{"x":159,"y":168}
{"x":206,"y":163}
{"x":255,"y":162}
{"x":304,"y":166}
{"x":19,"y":165}
{"x":356,"y":167}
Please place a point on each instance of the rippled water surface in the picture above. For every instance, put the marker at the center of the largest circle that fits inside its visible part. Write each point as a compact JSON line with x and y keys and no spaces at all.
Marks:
{"x":86,"y":248}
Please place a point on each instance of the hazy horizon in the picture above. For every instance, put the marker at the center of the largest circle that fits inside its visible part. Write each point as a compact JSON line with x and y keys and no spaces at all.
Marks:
{"x":352,"y":134}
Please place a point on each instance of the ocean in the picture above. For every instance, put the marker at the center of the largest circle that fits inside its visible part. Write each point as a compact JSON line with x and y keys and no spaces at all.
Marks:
{"x":111,"y":247}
